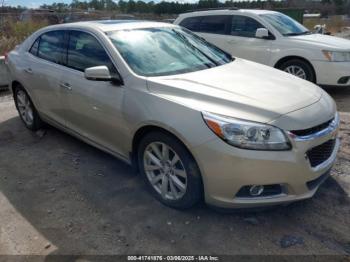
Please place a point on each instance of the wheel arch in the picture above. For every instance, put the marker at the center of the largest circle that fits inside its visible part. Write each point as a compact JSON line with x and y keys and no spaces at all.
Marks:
{"x":14,"y":84}
{"x":287,"y":58}
{"x":146,"y":129}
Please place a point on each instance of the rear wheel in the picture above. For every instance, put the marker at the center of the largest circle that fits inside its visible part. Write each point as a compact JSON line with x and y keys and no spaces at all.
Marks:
{"x":169,"y":170}
{"x":26,"y":109}
{"x":299,"y":68}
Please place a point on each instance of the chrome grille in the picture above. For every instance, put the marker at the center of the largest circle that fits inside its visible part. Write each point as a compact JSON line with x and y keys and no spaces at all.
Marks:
{"x":312,"y":130}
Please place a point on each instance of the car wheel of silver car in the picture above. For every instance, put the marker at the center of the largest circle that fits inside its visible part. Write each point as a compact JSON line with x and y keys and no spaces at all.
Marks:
{"x":170,"y":171}
{"x":300,"y":69}
{"x":296,"y":70}
{"x":26,"y":109}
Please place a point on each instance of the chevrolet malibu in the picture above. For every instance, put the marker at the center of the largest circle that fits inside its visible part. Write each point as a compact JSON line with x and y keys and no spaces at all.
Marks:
{"x":196,"y":122}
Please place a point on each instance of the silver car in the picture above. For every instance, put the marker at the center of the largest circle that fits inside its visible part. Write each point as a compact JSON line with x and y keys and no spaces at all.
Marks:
{"x":195,"y":121}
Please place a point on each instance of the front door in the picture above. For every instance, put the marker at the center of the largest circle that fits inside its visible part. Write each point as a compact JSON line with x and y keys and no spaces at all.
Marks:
{"x":93,"y":108}
{"x":241,"y":41}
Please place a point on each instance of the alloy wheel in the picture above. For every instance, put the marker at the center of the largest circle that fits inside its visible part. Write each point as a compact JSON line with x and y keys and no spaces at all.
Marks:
{"x":165,"y":171}
{"x":25,"y":107}
{"x":297,"y":71}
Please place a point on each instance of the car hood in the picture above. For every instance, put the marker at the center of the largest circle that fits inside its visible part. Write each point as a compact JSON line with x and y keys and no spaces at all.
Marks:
{"x":324,"y":41}
{"x":241,"y":89}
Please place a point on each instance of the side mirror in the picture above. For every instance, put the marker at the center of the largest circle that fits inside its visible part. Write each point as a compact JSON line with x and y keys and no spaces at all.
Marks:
{"x":98,"y":73}
{"x":262,"y":33}
{"x":101,"y":73}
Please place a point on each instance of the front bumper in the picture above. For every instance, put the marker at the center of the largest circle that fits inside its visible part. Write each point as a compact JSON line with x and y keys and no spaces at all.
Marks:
{"x":331,"y":73}
{"x":226,"y":169}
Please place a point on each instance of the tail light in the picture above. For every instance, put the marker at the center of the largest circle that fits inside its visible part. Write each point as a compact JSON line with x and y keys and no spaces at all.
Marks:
{"x":6,"y":57}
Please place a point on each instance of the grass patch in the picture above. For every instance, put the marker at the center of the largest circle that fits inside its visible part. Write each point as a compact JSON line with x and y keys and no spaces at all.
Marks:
{"x":13,"y":32}
{"x":334,"y":24}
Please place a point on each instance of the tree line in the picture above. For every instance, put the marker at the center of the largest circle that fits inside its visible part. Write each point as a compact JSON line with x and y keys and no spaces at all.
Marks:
{"x":132,"y":6}
{"x":174,"y":7}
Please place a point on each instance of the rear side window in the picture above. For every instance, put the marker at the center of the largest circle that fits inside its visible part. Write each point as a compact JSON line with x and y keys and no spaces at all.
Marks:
{"x":215,"y":24}
{"x":191,"y":23}
{"x":51,"y":46}
{"x":244,"y":26}
{"x":85,"y":51}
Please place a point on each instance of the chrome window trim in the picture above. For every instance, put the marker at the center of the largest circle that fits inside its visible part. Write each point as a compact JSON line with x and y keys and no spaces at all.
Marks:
{"x":27,"y":51}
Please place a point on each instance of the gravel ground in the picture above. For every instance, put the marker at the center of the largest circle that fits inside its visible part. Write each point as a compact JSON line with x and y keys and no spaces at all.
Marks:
{"x":61,"y":196}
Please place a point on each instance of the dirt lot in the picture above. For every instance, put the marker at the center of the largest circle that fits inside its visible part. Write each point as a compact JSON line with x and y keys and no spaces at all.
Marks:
{"x":61,"y":196}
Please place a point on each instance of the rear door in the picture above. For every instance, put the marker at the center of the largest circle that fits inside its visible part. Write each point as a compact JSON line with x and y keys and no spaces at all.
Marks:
{"x":215,"y":29}
{"x":93,"y":108}
{"x":234,"y":34}
{"x":43,"y":72}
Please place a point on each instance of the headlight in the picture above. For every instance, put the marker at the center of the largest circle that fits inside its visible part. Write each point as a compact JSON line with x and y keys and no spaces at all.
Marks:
{"x":335,"y":56}
{"x":246,"y":134}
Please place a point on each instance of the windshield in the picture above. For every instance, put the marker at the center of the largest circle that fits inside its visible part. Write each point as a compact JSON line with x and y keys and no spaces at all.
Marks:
{"x":285,"y":25}
{"x":166,"y":51}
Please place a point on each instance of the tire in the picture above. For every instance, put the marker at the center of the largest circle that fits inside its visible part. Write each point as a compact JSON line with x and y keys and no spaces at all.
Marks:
{"x":300,"y":68}
{"x":24,"y":106}
{"x":163,"y":172}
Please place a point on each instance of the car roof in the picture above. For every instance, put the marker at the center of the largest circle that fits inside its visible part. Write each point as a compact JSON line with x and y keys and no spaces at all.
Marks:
{"x":228,"y":11}
{"x":112,"y":25}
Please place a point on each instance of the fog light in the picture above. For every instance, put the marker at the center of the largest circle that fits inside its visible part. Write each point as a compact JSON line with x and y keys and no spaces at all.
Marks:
{"x":256,"y":190}
{"x":253,"y":191}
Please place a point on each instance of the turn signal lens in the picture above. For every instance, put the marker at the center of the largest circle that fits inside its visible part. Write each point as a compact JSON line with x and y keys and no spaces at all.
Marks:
{"x":215,"y":127}
{"x":6,"y":58}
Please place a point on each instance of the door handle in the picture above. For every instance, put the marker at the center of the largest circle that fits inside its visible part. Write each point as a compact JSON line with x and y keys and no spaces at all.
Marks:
{"x":66,"y":86}
{"x":28,"y":70}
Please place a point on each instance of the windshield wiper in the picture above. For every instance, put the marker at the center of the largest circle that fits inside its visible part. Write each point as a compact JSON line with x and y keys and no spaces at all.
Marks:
{"x":301,"y":33}
{"x":196,"y":48}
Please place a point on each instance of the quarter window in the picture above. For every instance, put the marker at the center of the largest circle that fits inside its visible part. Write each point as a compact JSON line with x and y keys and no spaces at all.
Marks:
{"x":34,"y":49}
{"x":85,"y":51}
{"x":215,"y":24}
{"x":244,"y":26}
{"x":51,"y":46}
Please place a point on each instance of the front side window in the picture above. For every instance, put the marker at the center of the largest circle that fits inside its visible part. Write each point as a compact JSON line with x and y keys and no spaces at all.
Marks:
{"x":51,"y":46}
{"x":215,"y":24}
{"x":166,"y":51}
{"x":244,"y":26}
{"x":191,"y":23}
{"x":85,"y":51}
{"x":285,"y":25}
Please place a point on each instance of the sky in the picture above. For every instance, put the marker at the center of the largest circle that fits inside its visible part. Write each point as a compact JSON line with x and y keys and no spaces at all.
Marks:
{"x":34,"y":3}
{"x":37,"y":3}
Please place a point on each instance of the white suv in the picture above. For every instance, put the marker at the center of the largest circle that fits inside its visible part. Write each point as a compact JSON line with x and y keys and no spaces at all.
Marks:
{"x":274,"y":39}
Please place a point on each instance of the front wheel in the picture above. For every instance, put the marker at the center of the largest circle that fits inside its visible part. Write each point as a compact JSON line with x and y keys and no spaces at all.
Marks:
{"x":300,"y":69}
{"x":169,"y":170}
